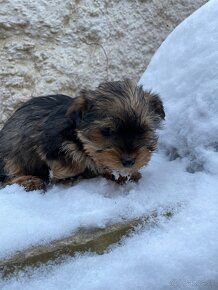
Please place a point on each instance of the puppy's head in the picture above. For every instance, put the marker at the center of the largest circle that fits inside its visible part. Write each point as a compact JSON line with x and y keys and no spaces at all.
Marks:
{"x":116,"y":124}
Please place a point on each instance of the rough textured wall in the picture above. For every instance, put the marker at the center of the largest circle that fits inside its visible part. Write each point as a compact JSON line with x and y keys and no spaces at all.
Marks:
{"x":62,"y":45}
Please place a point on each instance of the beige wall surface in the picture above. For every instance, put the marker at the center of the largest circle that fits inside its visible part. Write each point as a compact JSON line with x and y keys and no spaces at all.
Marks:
{"x":57,"y":46}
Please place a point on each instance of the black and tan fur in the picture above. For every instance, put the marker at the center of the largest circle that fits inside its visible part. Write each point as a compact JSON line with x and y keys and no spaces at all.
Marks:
{"x":110,"y":128}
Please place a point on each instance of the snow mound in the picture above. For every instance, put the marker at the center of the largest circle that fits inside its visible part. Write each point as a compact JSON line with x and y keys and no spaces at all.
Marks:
{"x":29,"y":219}
{"x":184,"y":71}
{"x":179,"y":254}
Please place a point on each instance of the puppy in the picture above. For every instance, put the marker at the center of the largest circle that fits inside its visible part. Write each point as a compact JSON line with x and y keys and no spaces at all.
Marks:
{"x":110,"y":129}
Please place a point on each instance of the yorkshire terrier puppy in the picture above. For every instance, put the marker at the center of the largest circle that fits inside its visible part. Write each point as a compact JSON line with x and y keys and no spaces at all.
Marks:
{"x":57,"y":138}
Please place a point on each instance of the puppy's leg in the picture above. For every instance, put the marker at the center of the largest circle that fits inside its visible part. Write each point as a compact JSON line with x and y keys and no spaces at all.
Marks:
{"x":29,"y":182}
{"x":18,"y":174}
{"x":63,"y":174}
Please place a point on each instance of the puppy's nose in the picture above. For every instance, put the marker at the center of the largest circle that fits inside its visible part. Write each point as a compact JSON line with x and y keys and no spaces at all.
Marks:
{"x":128,"y":161}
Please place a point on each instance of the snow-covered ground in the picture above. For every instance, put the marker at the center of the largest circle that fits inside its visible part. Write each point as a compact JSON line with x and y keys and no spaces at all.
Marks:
{"x":30,"y":218}
{"x":185,"y":73}
{"x":181,"y":253}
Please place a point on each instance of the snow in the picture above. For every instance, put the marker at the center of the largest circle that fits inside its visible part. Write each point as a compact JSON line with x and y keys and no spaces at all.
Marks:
{"x":182,"y":251}
{"x":184,"y":72}
{"x":32,"y":218}
{"x":179,"y":253}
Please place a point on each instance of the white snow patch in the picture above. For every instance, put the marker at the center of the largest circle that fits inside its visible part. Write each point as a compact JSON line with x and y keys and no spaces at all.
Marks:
{"x":117,"y":174}
{"x":184,"y":71}
{"x":29,"y":218}
{"x":179,"y":254}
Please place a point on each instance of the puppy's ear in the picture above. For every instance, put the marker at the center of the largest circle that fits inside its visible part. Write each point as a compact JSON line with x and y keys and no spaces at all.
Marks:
{"x":156,"y":105}
{"x":78,"y":108}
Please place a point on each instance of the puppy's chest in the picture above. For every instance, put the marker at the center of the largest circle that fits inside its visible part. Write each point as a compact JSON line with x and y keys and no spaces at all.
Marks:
{"x":79,"y":158}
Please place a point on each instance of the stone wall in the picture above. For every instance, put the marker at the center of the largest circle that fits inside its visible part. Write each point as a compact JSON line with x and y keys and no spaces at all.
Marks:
{"x":60,"y":46}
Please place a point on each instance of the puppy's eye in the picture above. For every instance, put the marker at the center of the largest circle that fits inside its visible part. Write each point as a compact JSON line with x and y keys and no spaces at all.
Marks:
{"x":107,"y":132}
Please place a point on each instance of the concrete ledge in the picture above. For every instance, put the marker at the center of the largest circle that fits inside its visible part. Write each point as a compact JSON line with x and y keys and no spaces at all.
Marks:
{"x":95,"y":240}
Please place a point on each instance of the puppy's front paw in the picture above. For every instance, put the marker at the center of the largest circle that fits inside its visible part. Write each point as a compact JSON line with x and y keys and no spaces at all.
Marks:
{"x":122,"y":180}
{"x":135,"y":177}
{"x":118,"y":179}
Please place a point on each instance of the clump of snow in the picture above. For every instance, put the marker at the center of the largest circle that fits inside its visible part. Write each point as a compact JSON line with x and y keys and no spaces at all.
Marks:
{"x":118,"y":174}
{"x":184,"y":71}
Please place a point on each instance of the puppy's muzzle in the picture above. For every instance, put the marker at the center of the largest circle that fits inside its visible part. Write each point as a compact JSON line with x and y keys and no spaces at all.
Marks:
{"x":128,"y":161}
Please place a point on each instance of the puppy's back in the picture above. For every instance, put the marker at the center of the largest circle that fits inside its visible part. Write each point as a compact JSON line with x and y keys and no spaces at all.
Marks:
{"x":34,"y":111}
{"x":22,"y":133}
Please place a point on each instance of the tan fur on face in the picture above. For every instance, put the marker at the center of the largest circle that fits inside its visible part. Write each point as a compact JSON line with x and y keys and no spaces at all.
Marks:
{"x":108,"y":159}
{"x":111,"y":160}
{"x":142,"y":158}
